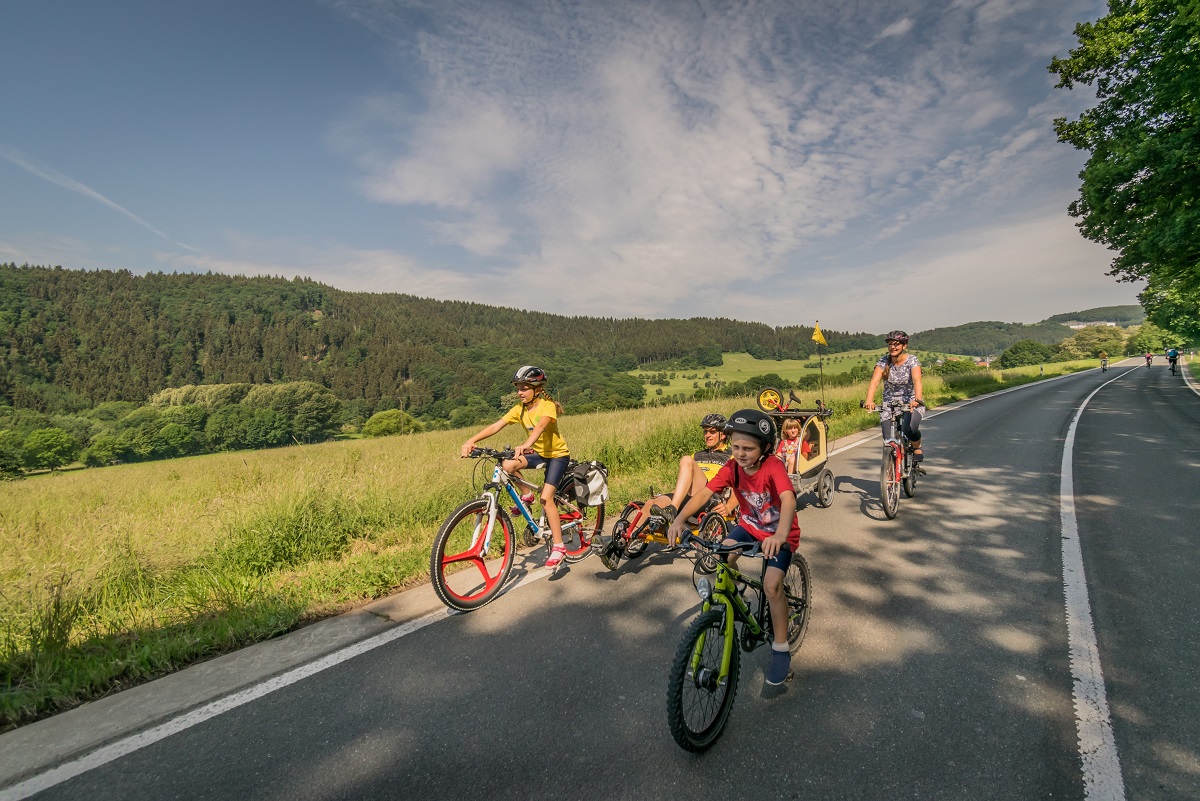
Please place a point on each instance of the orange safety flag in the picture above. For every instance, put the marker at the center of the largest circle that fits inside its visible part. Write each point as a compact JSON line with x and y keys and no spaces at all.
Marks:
{"x":818,"y":337}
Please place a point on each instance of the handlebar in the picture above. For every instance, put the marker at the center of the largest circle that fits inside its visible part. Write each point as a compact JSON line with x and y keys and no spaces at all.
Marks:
{"x":492,"y":453}
{"x":692,"y":542}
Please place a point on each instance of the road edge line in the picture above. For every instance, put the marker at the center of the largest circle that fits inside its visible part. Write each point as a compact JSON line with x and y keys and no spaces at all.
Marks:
{"x":1093,"y":722}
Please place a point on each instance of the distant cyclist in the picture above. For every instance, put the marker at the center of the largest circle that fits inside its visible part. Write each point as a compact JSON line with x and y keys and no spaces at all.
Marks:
{"x":1149,"y":358}
{"x":901,"y":389}
{"x":1172,"y":358}
{"x":1104,"y":361}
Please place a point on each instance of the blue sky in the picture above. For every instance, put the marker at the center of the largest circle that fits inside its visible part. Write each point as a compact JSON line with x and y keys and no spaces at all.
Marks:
{"x":872,"y":165}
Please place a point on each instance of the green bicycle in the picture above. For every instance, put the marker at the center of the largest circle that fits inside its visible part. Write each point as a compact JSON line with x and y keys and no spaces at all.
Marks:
{"x":734,"y":617}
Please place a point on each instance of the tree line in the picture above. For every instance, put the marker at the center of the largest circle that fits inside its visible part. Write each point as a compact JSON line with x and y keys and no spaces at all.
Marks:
{"x":72,"y":339}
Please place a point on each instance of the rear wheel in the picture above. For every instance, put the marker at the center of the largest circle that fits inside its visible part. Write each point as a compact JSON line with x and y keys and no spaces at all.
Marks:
{"x":698,"y":704}
{"x":470,"y":562}
{"x":797,"y":585}
{"x":889,"y":483}
{"x":825,"y":489}
{"x":712,"y":530}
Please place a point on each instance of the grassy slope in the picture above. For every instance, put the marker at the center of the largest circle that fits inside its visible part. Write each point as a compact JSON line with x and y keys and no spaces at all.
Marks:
{"x":116,"y":575}
{"x":742,"y":366}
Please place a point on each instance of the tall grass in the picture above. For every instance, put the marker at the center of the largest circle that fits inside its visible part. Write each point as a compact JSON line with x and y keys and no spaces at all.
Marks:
{"x":112,"y":576}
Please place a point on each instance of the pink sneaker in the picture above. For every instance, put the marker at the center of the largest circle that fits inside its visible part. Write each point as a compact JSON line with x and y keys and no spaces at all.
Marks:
{"x":557,"y":554}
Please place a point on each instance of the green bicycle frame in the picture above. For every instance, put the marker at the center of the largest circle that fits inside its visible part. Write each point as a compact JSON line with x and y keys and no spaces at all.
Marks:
{"x":725,"y":593}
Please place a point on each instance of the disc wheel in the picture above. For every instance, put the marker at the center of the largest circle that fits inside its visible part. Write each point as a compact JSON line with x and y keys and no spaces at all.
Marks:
{"x":712,"y":530}
{"x":797,"y":587}
{"x":825,"y":489}
{"x":698,"y":705}
{"x":469,"y":563}
{"x":889,"y":484}
{"x":769,"y":399}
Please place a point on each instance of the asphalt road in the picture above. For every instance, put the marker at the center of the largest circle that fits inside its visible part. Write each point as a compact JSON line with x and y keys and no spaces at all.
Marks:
{"x":936,"y":663}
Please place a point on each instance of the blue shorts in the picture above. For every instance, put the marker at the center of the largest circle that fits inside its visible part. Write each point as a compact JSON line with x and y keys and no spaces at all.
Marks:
{"x":780,"y":560}
{"x":555,"y":467}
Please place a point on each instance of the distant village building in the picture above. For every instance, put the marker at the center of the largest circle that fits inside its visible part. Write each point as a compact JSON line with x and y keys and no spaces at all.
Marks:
{"x":1077,"y":326}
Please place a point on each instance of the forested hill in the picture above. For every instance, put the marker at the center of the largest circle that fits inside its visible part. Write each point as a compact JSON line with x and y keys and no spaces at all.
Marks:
{"x":72,"y":338}
{"x":1121,"y":315}
{"x":987,"y":338}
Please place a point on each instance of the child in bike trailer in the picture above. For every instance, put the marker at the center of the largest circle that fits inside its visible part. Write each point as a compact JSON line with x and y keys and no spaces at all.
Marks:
{"x":766,"y":512}
{"x":544,"y":447}
{"x":791,"y":447}
{"x":901,"y":390}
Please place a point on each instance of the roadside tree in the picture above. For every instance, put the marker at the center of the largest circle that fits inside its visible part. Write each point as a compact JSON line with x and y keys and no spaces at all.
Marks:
{"x":1140,"y":193}
{"x":1025,"y":352}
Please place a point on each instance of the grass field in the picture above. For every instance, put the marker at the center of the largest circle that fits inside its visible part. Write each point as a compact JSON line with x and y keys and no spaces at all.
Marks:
{"x":116,"y":575}
{"x":743,"y":366}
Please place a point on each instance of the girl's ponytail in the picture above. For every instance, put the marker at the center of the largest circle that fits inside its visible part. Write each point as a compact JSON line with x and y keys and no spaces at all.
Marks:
{"x":542,"y":393}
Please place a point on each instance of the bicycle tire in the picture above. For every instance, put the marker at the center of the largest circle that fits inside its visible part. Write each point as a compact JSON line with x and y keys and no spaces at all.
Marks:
{"x":712,"y":530}
{"x":910,"y":480}
{"x":889,"y":483}
{"x":455,"y":545}
{"x":697,"y":691}
{"x":797,"y":584}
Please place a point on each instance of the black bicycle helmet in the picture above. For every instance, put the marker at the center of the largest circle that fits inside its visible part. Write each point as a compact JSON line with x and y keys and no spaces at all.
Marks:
{"x":755,"y":424}
{"x":897,"y":335}
{"x":534,"y":376}
{"x":713,"y":420}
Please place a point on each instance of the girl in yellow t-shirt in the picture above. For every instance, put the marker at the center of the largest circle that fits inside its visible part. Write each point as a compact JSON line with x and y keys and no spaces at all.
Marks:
{"x":544,"y":447}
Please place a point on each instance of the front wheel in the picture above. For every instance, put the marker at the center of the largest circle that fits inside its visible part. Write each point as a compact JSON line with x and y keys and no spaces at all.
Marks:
{"x":825,"y":489}
{"x":910,"y":480}
{"x":698,"y":702}
{"x":471,"y":559}
{"x":889,"y":483}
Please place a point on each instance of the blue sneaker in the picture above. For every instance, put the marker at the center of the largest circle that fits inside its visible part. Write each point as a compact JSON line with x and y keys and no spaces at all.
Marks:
{"x":781,"y":665}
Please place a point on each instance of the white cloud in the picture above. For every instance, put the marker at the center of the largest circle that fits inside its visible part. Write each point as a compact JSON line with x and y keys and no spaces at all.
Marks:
{"x":897,"y":28}
{"x":691,"y":148}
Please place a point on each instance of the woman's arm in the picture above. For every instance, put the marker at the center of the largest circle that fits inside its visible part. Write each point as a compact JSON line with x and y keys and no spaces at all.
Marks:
{"x":918,"y":390}
{"x":870,"y":404}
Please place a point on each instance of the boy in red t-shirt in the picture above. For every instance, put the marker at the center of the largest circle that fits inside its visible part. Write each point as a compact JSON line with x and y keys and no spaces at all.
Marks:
{"x":766,"y":512}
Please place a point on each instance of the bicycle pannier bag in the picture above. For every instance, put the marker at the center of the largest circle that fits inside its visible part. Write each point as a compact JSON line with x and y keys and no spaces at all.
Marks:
{"x":591,"y":483}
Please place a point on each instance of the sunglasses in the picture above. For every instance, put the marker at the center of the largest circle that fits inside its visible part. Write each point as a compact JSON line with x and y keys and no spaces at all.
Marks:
{"x":712,"y":431}
{"x":895,"y":342}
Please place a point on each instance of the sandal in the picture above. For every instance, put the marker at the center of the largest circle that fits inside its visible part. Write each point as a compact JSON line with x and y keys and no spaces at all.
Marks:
{"x":557,"y":554}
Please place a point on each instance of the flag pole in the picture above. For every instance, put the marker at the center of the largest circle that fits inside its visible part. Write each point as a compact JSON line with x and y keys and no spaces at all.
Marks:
{"x":820,"y":360}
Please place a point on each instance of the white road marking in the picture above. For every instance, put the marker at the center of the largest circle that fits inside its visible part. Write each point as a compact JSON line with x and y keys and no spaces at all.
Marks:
{"x":1093,"y":723}
{"x":1187,"y":378}
{"x":135,"y":742}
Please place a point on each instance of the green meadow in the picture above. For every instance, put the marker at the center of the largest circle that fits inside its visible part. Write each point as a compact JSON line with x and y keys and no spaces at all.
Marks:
{"x":743,"y":366}
{"x":113,"y":576}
